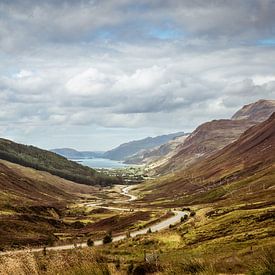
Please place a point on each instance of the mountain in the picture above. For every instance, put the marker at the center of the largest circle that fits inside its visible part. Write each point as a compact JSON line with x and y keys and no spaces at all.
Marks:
{"x":74,"y":154}
{"x":230,"y":196}
{"x":257,"y":111}
{"x":204,"y":141}
{"x":252,"y":152}
{"x":126,"y":150}
{"x":157,"y":154}
{"x":43,"y":160}
{"x":247,"y":162}
{"x":212,"y":136}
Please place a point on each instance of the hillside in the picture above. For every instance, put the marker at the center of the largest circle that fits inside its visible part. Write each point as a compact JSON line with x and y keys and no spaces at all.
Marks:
{"x":157,"y":154}
{"x":39,"y":159}
{"x":75,"y":154}
{"x":17,"y":188}
{"x":231,"y":194}
{"x":256,"y":111}
{"x":212,"y":136}
{"x":204,"y":141}
{"x":128,"y":149}
{"x":249,"y":161}
{"x":34,"y":201}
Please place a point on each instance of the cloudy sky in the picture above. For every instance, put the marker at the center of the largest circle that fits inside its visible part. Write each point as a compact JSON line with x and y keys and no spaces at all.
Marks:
{"x":93,"y":74}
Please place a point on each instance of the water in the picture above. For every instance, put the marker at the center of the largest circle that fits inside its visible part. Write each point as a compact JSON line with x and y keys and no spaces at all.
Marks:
{"x":101,"y":163}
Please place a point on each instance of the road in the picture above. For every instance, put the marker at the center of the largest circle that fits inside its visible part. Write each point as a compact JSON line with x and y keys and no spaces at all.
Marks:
{"x":125,"y":191}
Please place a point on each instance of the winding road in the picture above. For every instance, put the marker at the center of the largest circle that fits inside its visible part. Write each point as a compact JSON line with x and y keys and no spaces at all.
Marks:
{"x":124,"y":191}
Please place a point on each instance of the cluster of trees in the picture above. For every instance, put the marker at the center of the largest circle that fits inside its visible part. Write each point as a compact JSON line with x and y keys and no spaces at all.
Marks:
{"x":108,"y":238}
{"x":43,"y":160}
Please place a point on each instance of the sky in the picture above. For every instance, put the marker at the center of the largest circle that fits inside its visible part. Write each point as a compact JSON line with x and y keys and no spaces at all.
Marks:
{"x":93,"y":74}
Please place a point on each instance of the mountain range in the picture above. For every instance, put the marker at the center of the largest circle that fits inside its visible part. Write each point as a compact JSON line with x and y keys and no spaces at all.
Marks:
{"x":212,"y":136}
{"x":74,"y":154}
{"x":246,"y":165}
{"x":123,"y":152}
{"x":169,"y":153}
{"x":126,"y":150}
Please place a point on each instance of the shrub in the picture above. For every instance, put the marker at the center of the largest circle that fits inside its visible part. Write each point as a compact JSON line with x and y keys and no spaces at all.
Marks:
{"x":149,"y":230}
{"x":193,"y":266}
{"x":184,"y":218}
{"x":265,"y":264}
{"x":90,"y":242}
{"x":107,"y":239}
{"x":78,"y":225}
{"x":130,"y":268}
{"x":192,"y":213}
{"x":145,"y":268}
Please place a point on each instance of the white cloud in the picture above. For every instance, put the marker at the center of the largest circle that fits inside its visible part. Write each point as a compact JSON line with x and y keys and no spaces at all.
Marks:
{"x":24,"y":74}
{"x":91,"y":64}
{"x":88,"y":83}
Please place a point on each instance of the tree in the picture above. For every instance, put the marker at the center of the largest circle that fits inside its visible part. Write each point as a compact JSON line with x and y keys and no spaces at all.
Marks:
{"x":107,"y":239}
{"x":90,"y":242}
{"x":192,"y":213}
{"x":184,"y":218}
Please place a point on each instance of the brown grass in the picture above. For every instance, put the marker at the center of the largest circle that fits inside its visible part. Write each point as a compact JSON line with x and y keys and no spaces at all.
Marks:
{"x":62,"y":263}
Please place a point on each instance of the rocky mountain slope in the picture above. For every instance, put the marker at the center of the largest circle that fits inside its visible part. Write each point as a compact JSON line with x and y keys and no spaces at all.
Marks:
{"x":246,"y":165}
{"x":256,"y":111}
{"x":128,"y":149}
{"x":231,"y":195}
{"x":155,"y":155}
{"x":212,"y":136}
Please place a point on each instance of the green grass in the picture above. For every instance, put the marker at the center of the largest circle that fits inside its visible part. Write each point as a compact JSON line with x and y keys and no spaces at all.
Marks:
{"x":43,"y":160}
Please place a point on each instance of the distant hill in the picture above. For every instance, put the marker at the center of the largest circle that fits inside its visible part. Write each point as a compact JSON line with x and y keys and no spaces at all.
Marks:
{"x":43,"y":160}
{"x":154,"y":156}
{"x":212,"y":136}
{"x":126,"y":150}
{"x":74,"y":154}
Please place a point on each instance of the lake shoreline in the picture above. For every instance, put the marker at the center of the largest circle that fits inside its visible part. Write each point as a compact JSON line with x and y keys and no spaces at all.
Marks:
{"x":101,"y":163}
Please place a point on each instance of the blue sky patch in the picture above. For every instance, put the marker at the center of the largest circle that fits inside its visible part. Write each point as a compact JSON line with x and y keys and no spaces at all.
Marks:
{"x":267,"y":42}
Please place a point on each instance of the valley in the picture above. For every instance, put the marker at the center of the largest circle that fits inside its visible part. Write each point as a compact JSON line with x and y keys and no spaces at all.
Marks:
{"x":210,"y":213}
{"x":137,"y":137}
{"x":159,"y":224}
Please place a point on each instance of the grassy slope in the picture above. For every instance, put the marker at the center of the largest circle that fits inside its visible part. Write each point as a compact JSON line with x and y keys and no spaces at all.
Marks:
{"x":39,"y":159}
{"x":32,"y":202}
{"x":240,"y":167}
{"x":234,"y":204}
{"x":212,"y":136}
{"x":45,"y":208}
{"x":207,"y":139}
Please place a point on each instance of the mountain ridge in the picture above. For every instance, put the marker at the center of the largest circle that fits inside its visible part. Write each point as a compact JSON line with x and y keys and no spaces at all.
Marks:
{"x":125,"y":150}
{"x":212,"y":136}
{"x":248,"y":160}
{"x":71,"y":153}
{"x":255,"y":111}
